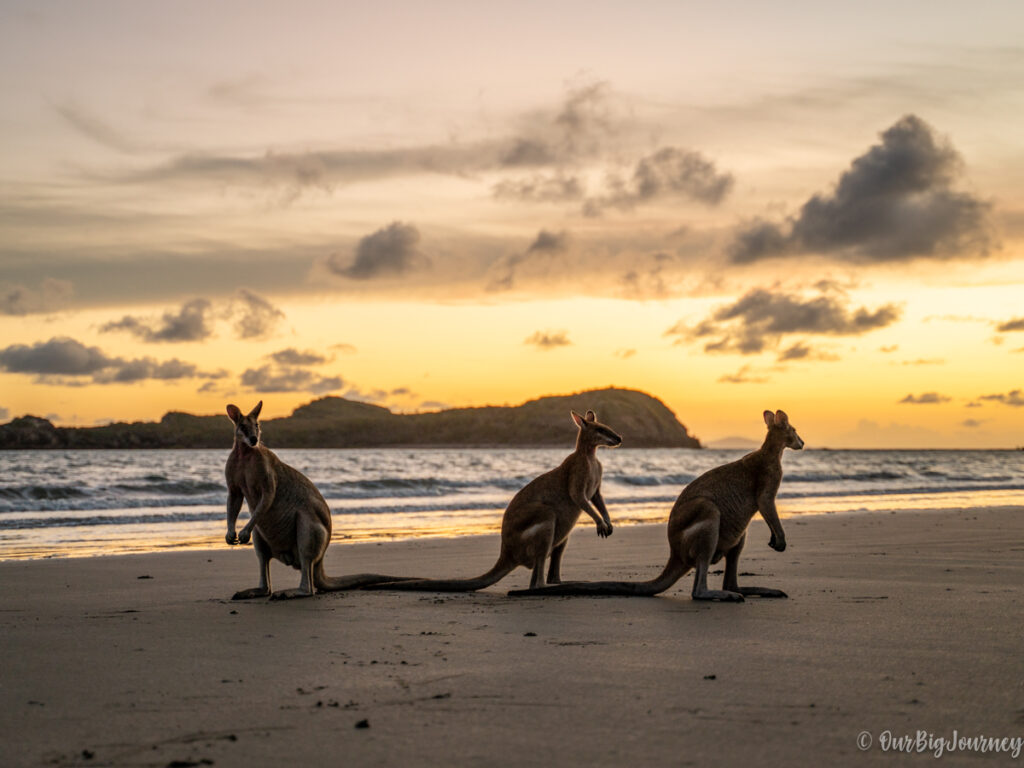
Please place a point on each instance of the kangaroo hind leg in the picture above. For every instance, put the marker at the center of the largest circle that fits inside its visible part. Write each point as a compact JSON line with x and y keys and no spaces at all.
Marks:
{"x":555,"y":566}
{"x":732,"y":559}
{"x":311,"y":543}
{"x":699,"y":542}
{"x":263,"y":555}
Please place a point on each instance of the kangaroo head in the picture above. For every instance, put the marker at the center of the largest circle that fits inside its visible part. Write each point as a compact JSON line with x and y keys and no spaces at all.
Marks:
{"x":778,"y":423}
{"x":247,"y":428}
{"x":594,"y":432}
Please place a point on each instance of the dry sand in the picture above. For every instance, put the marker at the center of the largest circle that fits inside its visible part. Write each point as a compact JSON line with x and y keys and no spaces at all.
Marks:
{"x":900,"y":622}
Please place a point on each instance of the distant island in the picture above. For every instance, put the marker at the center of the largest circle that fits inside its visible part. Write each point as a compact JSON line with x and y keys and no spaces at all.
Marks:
{"x":333,"y":422}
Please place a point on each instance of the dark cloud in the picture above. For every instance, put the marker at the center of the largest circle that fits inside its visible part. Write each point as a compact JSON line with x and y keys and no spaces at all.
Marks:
{"x":896,"y":202}
{"x":928,"y":398}
{"x":285,"y":378}
{"x":761,"y":318}
{"x":1013,"y":398}
{"x":391,"y":250}
{"x":972,"y":423}
{"x":64,"y":357}
{"x":668,"y":172}
{"x":4,"y":414}
{"x":548,"y":339}
{"x":347,"y":349}
{"x":1016,"y":324}
{"x":255,"y":317}
{"x":192,"y":322}
{"x":51,"y":296}
{"x":292,"y":356}
{"x":60,"y":356}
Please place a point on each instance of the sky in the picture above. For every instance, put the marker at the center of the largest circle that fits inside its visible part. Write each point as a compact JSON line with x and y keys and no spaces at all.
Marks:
{"x":732,"y":206}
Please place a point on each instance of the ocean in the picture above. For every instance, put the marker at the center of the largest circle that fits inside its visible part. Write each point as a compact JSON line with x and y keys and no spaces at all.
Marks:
{"x":86,"y":503}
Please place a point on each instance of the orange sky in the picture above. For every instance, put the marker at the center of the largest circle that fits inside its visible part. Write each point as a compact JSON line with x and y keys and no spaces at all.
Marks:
{"x":805,"y":209}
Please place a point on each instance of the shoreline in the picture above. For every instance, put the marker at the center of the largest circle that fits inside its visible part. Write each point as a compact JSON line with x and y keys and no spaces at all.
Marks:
{"x":899,"y":622}
{"x":23,"y":545}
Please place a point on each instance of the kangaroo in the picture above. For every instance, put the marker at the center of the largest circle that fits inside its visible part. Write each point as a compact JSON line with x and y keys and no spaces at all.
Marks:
{"x":289,"y":519}
{"x":538,"y":520}
{"x":709,"y":520}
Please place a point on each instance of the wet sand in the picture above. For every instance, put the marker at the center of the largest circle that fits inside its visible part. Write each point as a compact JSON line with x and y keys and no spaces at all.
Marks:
{"x":899,"y":622}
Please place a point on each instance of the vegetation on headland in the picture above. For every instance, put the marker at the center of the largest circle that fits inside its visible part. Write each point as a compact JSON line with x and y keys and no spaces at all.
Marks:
{"x":333,"y":422}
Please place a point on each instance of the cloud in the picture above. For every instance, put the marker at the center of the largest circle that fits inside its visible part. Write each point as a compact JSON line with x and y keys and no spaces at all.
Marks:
{"x":762,"y":317}
{"x":577,"y":129}
{"x":896,"y":202}
{"x":4,"y":414}
{"x":972,"y":423}
{"x":539,"y":188}
{"x":292,"y":356}
{"x":347,"y":349}
{"x":62,"y":357}
{"x":51,"y":296}
{"x":192,"y":322}
{"x":800,"y":351}
{"x":668,"y":172}
{"x":548,"y":339}
{"x":1013,"y":398}
{"x":544,"y":246}
{"x":391,"y":250}
{"x":624,"y":354}
{"x":285,"y":378}
{"x":742,"y":376}
{"x":1016,"y":324}
{"x":255,"y":317}
{"x":928,"y":398}
{"x":373,"y":396}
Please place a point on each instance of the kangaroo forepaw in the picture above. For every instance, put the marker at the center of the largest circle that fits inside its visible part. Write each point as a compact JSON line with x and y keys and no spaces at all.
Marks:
{"x":243,"y":537}
{"x":231,"y":538}
{"x":249,"y":594}
{"x":605,"y":531}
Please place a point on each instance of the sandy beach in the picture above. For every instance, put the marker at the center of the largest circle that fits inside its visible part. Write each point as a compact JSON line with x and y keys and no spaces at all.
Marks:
{"x":895,"y":623}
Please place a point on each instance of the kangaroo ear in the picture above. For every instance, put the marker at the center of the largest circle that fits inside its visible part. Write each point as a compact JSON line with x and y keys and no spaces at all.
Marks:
{"x":781,"y":418}
{"x":255,"y":412}
{"x":769,"y":418}
{"x":577,"y":418}
{"x":234,"y":413}
{"x":591,"y":416}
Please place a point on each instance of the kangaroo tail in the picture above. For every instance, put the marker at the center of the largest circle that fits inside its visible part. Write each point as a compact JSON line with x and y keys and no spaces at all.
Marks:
{"x":325,"y":583}
{"x":671,"y":573}
{"x":501,"y":569}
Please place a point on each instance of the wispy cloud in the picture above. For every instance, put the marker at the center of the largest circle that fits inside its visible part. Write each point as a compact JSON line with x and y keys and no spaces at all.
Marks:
{"x":761,"y":318}
{"x":1014,"y":397}
{"x":52,"y":295}
{"x":927,"y":398}
{"x":548,"y":339}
